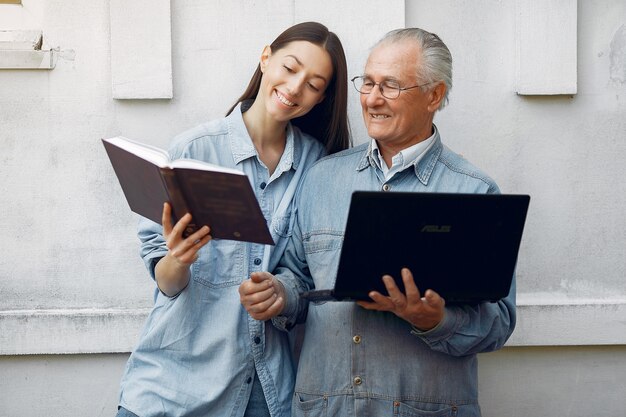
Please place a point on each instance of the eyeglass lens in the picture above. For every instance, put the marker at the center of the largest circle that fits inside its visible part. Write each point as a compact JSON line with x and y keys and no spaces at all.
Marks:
{"x":388,"y":88}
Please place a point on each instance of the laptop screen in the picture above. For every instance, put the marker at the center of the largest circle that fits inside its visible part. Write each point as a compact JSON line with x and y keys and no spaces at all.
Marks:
{"x":463,"y":246}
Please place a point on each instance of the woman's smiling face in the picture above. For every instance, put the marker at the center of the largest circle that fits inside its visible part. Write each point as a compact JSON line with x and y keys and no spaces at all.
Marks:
{"x":295,"y":78}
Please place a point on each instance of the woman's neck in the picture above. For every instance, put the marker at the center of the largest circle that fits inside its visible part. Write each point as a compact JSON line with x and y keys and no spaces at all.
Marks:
{"x":268,"y":135}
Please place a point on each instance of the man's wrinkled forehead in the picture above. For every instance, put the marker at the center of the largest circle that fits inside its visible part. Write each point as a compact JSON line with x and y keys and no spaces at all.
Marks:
{"x":392,"y":60}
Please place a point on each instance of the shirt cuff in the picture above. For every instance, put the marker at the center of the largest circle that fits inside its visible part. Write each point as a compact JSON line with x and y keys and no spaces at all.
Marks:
{"x":151,"y":261}
{"x":441,"y":331}
{"x":287,"y":318}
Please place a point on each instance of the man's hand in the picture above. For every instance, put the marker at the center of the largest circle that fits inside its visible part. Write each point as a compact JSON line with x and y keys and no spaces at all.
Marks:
{"x":422,"y":312}
{"x":263,"y":296}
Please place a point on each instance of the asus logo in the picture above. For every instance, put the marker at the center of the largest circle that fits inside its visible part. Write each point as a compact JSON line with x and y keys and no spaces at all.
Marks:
{"x":433,"y":228}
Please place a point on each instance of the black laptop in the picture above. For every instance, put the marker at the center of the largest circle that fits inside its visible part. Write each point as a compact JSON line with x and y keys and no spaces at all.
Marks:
{"x":463,"y":246}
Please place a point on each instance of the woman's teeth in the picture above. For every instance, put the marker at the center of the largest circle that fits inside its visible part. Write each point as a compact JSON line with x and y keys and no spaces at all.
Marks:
{"x":284,"y":100}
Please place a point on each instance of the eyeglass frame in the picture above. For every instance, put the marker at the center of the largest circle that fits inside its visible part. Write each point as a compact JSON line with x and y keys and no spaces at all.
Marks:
{"x":380,"y":87}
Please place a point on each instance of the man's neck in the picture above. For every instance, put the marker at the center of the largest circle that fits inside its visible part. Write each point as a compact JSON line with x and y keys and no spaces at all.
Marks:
{"x":389,"y":150}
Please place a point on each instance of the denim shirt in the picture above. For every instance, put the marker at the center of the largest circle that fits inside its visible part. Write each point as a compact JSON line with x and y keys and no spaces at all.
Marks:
{"x":357,"y":362}
{"x":199,"y":351}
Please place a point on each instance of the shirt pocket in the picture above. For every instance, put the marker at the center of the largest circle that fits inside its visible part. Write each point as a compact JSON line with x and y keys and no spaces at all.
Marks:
{"x":323,"y":241}
{"x":307,"y":405}
{"x":221,"y":264}
{"x":322,"y":251}
{"x":423,"y":409}
{"x":281,"y":227}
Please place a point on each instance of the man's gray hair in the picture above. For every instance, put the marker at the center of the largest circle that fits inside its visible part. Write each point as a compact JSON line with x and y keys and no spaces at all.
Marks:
{"x":436,"y":57}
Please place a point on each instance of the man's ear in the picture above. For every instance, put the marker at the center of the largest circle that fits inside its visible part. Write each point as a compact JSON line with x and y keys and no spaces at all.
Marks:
{"x":265,"y":56}
{"x":436,"y":96}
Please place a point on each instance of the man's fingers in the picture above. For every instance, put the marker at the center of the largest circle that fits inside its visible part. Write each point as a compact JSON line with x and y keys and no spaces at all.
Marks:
{"x":249,"y":288}
{"x":259,"y":277}
{"x":259,"y":293}
{"x":390,"y":285}
{"x":410,"y":288}
{"x":395,"y":295}
{"x":262,"y":301}
{"x":433,"y":299}
{"x":380,"y":302}
{"x":276,"y":306}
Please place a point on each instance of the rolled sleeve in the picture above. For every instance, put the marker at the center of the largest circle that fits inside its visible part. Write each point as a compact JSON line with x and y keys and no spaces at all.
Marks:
{"x":471,"y":329}
{"x":153,"y":246}
{"x":293,"y":273}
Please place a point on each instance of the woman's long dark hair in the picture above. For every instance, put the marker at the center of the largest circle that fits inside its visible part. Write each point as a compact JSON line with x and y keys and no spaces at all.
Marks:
{"x":328,"y":120}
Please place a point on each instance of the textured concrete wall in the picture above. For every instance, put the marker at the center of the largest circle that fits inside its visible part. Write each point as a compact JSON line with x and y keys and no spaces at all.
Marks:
{"x":514,"y":382}
{"x":566,"y":151}
{"x":70,"y":253}
{"x":70,"y":277}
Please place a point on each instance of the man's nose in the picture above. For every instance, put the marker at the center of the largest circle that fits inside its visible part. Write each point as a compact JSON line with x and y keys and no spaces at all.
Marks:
{"x":375,"y":96}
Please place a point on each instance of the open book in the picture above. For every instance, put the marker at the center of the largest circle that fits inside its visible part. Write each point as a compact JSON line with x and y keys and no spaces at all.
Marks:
{"x":219,"y":197}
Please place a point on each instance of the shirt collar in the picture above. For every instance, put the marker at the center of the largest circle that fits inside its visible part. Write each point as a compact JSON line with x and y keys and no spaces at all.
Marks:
{"x":241,"y":144}
{"x":407,"y":157}
{"x":424,"y":165}
{"x":292,"y":148}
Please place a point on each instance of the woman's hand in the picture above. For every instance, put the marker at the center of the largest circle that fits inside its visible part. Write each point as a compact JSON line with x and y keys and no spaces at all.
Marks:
{"x":172,"y":271}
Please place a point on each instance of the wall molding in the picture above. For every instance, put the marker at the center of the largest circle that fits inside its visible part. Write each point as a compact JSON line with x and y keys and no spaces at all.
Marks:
{"x":80,"y":331}
{"x":22,"y":49}
{"x":570,"y":324}
{"x":69,"y":331}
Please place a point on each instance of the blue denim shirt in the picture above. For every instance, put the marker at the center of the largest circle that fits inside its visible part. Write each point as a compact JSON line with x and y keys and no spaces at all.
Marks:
{"x":356,"y":362}
{"x":199,"y":351}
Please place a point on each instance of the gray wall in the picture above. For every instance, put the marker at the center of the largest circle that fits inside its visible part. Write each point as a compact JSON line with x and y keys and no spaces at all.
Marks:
{"x":514,"y":382}
{"x":73,"y":292}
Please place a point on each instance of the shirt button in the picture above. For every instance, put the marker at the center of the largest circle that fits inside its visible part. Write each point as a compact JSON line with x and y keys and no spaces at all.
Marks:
{"x":263,"y":185}
{"x":386,"y":187}
{"x":249,"y":380}
{"x":257,"y":340}
{"x":356,"y":339}
{"x":257,"y":261}
{"x":357,"y":380}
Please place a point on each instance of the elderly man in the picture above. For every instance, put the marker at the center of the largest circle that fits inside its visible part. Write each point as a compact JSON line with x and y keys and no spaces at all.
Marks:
{"x":401,"y":353}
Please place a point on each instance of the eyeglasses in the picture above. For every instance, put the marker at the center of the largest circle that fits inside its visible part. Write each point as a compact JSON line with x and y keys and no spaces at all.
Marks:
{"x":389,"y":89}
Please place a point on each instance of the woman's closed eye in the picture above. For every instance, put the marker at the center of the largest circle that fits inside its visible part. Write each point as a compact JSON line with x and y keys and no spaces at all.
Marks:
{"x":314,"y":87}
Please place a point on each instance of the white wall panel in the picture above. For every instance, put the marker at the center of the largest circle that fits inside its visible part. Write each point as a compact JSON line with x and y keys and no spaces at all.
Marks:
{"x":141,"y":49}
{"x":546,"y":40}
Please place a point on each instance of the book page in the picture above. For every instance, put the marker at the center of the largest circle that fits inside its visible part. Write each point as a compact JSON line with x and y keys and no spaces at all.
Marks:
{"x":161,"y":158}
{"x":149,"y":153}
{"x":204,"y":166}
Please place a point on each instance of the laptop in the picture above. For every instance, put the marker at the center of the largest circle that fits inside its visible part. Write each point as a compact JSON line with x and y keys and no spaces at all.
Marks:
{"x":463,"y":246}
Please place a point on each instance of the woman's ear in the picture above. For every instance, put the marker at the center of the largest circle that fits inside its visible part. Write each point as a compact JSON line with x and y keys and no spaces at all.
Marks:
{"x":265,"y":56}
{"x":436,"y":96}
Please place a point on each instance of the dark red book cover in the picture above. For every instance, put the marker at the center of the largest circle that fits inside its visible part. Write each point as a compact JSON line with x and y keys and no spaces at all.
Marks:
{"x":222,"y":200}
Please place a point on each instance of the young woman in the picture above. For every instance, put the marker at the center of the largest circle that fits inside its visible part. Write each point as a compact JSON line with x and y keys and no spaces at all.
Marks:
{"x":200,"y":353}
